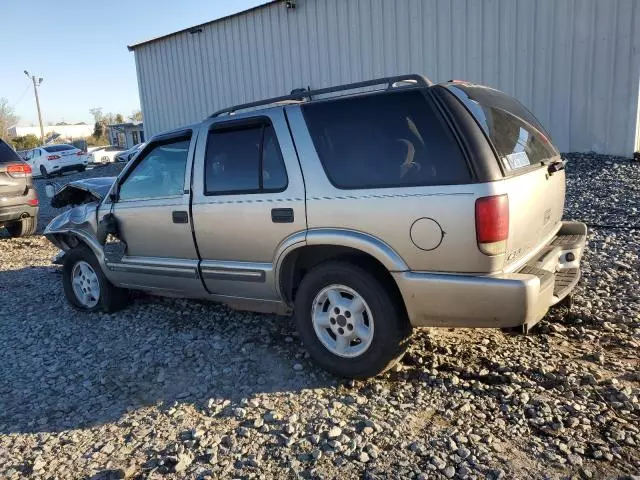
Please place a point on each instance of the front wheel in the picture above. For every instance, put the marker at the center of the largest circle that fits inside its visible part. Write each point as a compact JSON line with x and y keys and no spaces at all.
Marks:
{"x":352,"y":324}
{"x":43,"y":172}
{"x":86,"y":287}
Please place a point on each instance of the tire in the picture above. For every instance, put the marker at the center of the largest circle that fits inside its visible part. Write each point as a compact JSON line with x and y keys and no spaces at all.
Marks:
{"x":108,"y":298}
{"x":81,"y":169}
{"x":388,"y":329}
{"x":23,"y":227}
{"x":43,"y":172}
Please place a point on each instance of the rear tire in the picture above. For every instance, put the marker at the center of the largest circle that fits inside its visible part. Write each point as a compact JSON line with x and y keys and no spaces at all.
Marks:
{"x":330,"y":325}
{"x":23,"y":227}
{"x":43,"y":172}
{"x":81,"y":272}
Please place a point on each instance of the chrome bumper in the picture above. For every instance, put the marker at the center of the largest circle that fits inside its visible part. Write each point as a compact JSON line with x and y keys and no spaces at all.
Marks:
{"x":505,"y":300}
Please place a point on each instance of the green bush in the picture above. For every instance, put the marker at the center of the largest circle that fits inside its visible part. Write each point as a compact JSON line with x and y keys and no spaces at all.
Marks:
{"x":25,"y":142}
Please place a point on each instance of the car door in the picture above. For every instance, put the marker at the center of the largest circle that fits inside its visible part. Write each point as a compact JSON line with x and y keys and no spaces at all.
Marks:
{"x":152,"y":212}
{"x":248,"y":198}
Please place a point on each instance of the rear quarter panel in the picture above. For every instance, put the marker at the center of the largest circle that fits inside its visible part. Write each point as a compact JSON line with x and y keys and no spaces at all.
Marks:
{"x":432,"y":228}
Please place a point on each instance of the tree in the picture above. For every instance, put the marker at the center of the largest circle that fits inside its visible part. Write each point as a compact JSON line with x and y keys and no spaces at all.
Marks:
{"x":97,"y":114}
{"x":119,"y":118}
{"x":136,"y":116}
{"x":98,"y":129}
{"x":26,"y":142}
{"x":8,"y":118}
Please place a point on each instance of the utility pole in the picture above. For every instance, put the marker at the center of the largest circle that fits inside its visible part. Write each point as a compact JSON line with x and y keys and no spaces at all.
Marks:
{"x":36,"y":83}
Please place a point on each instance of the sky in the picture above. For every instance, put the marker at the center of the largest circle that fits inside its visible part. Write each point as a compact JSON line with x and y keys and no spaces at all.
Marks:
{"x":79,"y":48}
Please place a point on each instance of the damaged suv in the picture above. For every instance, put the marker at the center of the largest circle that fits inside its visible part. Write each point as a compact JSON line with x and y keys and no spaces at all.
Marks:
{"x":365,"y":213}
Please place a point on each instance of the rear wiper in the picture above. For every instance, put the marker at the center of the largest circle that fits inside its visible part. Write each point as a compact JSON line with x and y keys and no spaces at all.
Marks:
{"x":556,"y":166}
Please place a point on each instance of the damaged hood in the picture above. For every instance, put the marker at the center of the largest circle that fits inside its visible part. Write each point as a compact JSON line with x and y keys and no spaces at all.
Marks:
{"x":82,"y":191}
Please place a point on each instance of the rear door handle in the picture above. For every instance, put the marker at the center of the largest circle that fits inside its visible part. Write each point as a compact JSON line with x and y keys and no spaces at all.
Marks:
{"x":282,"y":215}
{"x":180,"y":216}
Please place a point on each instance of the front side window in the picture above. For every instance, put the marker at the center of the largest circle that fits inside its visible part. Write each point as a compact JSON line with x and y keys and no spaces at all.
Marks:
{"x":159,"y":174}
{"x":244,"y":159}
{"x":385,"y":140}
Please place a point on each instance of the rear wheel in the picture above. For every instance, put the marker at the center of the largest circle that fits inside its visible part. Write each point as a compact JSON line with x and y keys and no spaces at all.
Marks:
{"x":86,"y":287}
{"x":350,"y":321}
{"x":43,"y":172}
{"x":23,"y":227}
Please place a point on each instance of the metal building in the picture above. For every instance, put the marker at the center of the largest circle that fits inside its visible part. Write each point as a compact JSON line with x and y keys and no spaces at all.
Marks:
{"x":574,"y":63}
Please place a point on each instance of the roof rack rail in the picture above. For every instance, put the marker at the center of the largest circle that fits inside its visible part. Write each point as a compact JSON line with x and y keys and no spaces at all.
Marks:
{"x":301,"y":95}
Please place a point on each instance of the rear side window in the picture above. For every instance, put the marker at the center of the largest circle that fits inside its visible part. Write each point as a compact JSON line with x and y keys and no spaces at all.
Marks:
{"x":385,"y":140}
{"x":246,"y":159}
{"x":7,"y":154}
{"x":515,"y":133}
{"x":59,"y":148}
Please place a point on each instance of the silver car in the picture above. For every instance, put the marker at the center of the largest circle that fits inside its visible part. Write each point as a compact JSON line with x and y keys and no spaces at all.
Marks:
{"x":416,"y":205}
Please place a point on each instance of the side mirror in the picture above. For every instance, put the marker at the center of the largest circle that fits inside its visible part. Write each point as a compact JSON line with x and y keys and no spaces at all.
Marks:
{"x":51,"y":189}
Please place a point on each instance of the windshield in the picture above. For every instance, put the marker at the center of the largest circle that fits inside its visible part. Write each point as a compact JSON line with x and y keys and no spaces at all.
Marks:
{"x":59,"y":148}
{"x":518,"y":137}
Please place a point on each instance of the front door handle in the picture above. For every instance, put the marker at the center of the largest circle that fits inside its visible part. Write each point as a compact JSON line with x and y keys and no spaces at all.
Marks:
{"x":282,"y":215}
{"x":180,"y":216}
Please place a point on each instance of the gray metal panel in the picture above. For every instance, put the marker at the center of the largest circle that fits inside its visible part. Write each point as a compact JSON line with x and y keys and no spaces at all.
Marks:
{"x":574,"y":63}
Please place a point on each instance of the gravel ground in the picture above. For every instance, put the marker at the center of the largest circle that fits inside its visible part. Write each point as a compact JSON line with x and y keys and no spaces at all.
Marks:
{"x":186,"y":389}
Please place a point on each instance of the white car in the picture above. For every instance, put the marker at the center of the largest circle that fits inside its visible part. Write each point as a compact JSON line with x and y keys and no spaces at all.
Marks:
{"x":129,"y":154}
{"x":56,"y":159}
{"x":105,"y":154}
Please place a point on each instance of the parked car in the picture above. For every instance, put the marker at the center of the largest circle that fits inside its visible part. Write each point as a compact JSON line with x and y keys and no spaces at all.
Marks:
{"x":368,"y":214}
{"x":129,"y":154}
{"x":105,"y":154}
{"x":56,"y":159}
{"x":18,"y":197}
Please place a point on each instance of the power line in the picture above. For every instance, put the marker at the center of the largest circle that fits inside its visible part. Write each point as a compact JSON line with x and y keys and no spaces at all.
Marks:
{"x":21,"y":96}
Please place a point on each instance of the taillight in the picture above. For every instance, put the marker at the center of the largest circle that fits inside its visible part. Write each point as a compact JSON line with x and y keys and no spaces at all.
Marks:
{"x":33,"y":202}
{"x":492,"y":224}
{"x":18,"y":170}
{"x":53,"y":157}
{"x":80,"y":154}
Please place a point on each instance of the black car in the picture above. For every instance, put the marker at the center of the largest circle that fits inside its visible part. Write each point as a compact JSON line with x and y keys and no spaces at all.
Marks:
{"x":18,"y":196}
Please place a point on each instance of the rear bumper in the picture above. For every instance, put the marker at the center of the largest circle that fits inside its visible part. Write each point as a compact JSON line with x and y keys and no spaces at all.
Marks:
{"x":70,"y":167}
{"x":16,"y":212}
{"x":505,"y":300}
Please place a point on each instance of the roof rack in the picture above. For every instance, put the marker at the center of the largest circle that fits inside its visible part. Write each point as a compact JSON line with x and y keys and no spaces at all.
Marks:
{"x":302,"y":94}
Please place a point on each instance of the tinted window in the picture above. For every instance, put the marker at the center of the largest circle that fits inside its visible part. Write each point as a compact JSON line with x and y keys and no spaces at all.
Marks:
{"x":159,"y":174}
{"x":59,"y":148}
{"x":234,"y":157}
{"x":515,"y":133}
{"x":274,"y":174}
{"x":7,"y":154}
{"x":385,"y":140}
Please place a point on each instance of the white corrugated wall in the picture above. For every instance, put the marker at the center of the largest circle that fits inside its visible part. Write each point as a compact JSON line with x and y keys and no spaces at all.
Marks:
{"x":574,"y":63}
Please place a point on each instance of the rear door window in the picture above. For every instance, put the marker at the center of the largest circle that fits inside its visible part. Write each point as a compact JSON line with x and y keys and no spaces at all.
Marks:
{"x":517,"y":136}
{"x":385,"y":140}
{"x":244,"y":159}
